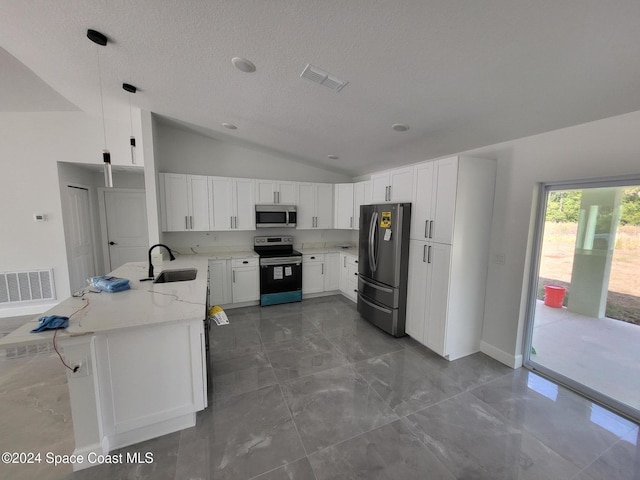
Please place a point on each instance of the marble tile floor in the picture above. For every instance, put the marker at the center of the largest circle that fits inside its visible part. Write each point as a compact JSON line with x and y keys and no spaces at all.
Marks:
{"x":311,"y":391}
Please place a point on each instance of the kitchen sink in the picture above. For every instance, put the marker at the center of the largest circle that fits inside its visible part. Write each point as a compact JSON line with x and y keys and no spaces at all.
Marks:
{"x":181,"y":275}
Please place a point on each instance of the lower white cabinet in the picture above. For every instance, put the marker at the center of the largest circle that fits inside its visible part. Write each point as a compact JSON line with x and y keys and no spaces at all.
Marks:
{"x":349,"y":276}
{"x":312,"y":273}
{"x":219,"y":282}
{"x":245,"y":281}
{"x":428,"y":295}
{"x":331,"y":272}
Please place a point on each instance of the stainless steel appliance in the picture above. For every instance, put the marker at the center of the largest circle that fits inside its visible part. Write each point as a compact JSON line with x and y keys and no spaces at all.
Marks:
{"x":383,"y":264}
{"x":280,"y":270}
{"x":276,"y":216}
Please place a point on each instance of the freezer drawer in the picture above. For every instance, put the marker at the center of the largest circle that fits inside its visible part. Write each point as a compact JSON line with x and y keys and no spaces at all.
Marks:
{"x":382,"y":294}
{"x":391,"y":320}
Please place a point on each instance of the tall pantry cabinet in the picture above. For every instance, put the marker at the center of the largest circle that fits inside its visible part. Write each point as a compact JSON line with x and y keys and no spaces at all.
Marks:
{"x":449,"y":253}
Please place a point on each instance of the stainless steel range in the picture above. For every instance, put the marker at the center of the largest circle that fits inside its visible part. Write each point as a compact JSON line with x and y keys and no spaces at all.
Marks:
{"x":280,"y":270}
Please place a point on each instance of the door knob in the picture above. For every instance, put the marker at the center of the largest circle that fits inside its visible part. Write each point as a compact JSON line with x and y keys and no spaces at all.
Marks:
{"x":113,"y":243}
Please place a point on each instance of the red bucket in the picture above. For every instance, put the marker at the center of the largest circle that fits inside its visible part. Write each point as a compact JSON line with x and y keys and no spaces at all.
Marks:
{"x":554,"y":295}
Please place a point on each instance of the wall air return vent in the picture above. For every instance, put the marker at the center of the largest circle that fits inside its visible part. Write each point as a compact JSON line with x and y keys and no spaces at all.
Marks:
{"x":325,"y":79}
{"x":27,"y":286}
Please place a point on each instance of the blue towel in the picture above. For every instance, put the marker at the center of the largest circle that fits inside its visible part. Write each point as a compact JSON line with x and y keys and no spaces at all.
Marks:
{"x":51,"y":323}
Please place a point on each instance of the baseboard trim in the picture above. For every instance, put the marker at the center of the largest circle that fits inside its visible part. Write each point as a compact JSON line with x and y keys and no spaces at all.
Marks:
{"x":513,"y":361}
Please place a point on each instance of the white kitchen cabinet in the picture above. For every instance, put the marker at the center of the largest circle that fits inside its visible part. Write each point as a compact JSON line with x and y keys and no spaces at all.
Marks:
{"x":349,"y":276}
{"x":219,"y":282}
{"x":331,"y":272}
{"x":428,"y":293}
{"x":315,"y":205}
{"x":344,"y":206}
{"x":392,"y":186}
{"x":272,"y":191}
{"x":231,"y":203}
{"x":361,"y":196}
{"x":312,"y":273}
{"x":348,"y":199}
{"x":245,"y":281}
{"x":434,"y":200}
{"x":447,"y":272}
{"x":184,"y":201}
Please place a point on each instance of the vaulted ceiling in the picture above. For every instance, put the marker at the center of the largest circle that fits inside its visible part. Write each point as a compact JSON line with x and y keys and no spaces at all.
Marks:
{"x":461,"y":74}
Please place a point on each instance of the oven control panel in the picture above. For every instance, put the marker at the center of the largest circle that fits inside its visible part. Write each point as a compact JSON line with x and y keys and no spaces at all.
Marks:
{"x":269,"y":241}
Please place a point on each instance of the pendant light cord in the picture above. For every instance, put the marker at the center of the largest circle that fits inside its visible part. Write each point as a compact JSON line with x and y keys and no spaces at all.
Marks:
{"x":104,"y":128}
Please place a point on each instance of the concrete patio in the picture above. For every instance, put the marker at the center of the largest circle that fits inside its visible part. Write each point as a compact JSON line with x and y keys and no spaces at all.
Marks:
{"x":601,"y":353}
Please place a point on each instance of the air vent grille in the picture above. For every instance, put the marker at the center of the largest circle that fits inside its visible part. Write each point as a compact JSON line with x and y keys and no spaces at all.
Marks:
{"x":323,"y":78}
{"x":26,"y":286}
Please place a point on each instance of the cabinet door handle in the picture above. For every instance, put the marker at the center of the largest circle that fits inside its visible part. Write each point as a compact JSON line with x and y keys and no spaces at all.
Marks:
{"x":274,"y":197}
{"x":424,"y":253}
{"x":231,"y":222}
{"x":344,"y":262}
{"x":312,"y":258}
{"x":235,"y":222}
{"x":233,"y":274}
{"x":426,"y":227}
{"x":429,"y":255}
{"x":350,"y":222}
{"x":191,"y":221}
{"x":431,"y":229}
{"x":186,"y":222}
{"x":278,"y":197}
{"x":113,"y":243}
{"x":389,"y":192}
{"x":245,"y":261}
{"x":322,"y":269}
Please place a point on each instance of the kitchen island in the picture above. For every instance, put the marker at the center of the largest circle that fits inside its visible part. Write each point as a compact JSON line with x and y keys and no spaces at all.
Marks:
{"x":140,"y":355}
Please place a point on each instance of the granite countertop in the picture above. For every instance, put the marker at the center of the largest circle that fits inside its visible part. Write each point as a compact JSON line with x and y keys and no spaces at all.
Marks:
{"x":319,"y":250}
{"x":145,"y":304}
{"x":231,"y":255}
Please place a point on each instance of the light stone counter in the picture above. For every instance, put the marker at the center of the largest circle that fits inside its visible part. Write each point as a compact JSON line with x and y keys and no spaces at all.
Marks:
{"x":320,"y":250}
{"x":138,"y":367}
{"x":145,"y":304}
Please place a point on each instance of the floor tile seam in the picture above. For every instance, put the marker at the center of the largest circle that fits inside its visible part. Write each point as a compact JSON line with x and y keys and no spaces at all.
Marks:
{"x":356,"y":436}
{"x":276,"y":468}
{"x":291,"y":380}
{"x":293,"y":421}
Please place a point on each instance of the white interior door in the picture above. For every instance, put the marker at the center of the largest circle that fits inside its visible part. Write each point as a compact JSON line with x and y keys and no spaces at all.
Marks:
{"x":79,"y":240}
{"x":126,"y":218}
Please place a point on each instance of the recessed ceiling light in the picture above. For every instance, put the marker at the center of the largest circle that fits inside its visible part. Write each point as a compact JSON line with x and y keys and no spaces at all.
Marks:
{"x":400,"y":127}
{"x":230,"y":126}
{"x":243,"y":64}
{"x":333,"y":157}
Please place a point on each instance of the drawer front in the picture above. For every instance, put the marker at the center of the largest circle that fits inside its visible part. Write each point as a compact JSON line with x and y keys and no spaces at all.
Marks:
{"x":313,"y":258}
{"x":244,"y":262}
{"x":353,"y":261}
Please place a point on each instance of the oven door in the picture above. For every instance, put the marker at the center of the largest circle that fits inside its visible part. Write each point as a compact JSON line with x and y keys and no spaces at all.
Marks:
{"x":280,"y":274}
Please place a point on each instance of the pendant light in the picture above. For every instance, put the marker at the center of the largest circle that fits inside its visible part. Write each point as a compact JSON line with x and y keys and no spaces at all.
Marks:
{"x":132,"y":140}
{"x":101,"y":40}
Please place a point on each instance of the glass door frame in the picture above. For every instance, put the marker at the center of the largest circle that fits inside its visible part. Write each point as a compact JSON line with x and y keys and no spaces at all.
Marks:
{"x":534,"y":268}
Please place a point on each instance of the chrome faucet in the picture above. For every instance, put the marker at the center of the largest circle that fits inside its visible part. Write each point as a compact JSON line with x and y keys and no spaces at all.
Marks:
{"x":171,"y":257}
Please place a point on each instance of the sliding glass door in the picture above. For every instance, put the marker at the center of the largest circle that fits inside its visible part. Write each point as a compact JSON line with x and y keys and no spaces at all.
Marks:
{"x":583,"y":325}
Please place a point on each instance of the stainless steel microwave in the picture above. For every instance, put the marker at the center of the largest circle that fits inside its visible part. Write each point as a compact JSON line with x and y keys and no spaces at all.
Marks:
{"x":276,"y":216}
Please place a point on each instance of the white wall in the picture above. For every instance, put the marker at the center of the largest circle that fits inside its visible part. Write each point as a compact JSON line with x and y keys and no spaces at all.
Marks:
{"x":31,"y":145}
{"x":181,"y":151}
{"x":605,"y":148}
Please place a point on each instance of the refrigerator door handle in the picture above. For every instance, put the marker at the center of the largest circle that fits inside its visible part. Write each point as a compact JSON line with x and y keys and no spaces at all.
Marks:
{"x":373,"y":305}
{"x":372,"y":253}
{"x":377,"y":287}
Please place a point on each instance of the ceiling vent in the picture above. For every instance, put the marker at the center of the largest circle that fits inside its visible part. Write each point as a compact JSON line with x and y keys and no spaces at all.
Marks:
{"x":325,"y":79}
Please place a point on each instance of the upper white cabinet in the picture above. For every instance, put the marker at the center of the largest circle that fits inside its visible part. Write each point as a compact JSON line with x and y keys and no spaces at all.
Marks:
{"x":184,"y":202}
{"x":449,"y":254}
{"x":231,"y":203}
{"x":361,"y":196}
{"x":344,"y":206}
{"x":315,"y":205}
{"x":272,"y":191}
{"x":392,"y":186}
{"x":434,"y":203}
{"x":348,"y":199}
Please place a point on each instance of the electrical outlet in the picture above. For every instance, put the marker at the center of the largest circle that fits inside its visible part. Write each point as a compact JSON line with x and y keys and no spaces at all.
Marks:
{"x":83,"y":371}
{"x":499,"y":258}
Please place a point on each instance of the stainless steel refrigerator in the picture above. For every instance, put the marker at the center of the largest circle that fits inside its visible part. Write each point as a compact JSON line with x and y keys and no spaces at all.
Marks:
{"x":383,"y":262}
